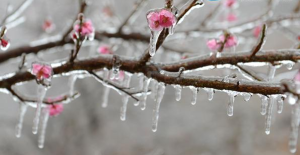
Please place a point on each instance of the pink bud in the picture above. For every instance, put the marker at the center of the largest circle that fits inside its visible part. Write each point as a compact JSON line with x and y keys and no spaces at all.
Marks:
{"x":154,"y":21}
{"x":41,"y":71}
{"x":104,"y":50}
{"x":55,"y":109}
{"x":231,"y":41}
{"x":213,"y":44}
{"x":48,"y":25}
{"x":4,"y":42}
{"x":256,"y":31}
{"x":230,"y":3}
{"x":86,"y":28}
{"x":231,"y":17}
{"x":167,"y":18}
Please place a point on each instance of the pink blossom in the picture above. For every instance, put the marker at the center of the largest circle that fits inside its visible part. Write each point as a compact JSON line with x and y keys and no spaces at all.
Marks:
{"x":41,"y":71}
{"x":256,"y":31}
{"x":55,"y":109}
{"x":231,"y":17}
{"x":154,"y":21}
{"x":297,"y":77}
{"x":105,"y":50}
{"x":4,"y":43}
{"x":167,"y":18}
{"x":230,"y":3}
{"x":86,"y":28}
{"x":48,"y":25}
{"x":213,"y":44}
{"x":231,"y":41}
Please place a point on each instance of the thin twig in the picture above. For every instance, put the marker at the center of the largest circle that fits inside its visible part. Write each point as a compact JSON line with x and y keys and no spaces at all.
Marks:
{"x":261,"y":41}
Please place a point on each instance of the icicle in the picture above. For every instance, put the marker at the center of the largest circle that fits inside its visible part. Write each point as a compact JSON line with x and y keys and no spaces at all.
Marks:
{"x":72,"y":84}
{"x":195,"y":94}
{"x":40,"y":94}
{"x":178,"y":90}
{"x":264,"y":104}
{"x":153,"y":40}
{"x":154,"y":88}
{"x":210,"y":93}
{"x":269,"y":114}
{"x":160,"y":95}
{"x":231,"y":103}
{"x":42,"y":135}
{"x":23,"y":109}
{"x":279,"y":104}
{"x":247,"y":96}
{"x":105,"y":96}
{"x":294,"y":128}
{"x":140,"y":86}
{"x":144,"y":96}
{"x":125,"y":98}
{"x":272,"y":72}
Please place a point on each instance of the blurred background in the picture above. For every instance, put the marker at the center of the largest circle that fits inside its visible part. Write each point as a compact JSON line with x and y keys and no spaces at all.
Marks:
{"x":85,"y":128}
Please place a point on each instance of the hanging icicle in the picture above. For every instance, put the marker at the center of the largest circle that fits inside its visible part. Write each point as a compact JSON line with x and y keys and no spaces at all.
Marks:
{"x":195,"y":94}
{"x":294,"y":128}
{"x":178,"y":90}
{"x":269,"y":114}
{"x":279,"y":104}
{"x":72,"y":81}
{"x":42,"y":135}
{"x":160,"y":95}
{"x":210,"y":93}
{"x":23,"y":109}
{"x":125,"y":98}
{"x":145,"y":91}
{"x":41,"y":95}
{"x":264,"y":104}
{"x":231,"y":95}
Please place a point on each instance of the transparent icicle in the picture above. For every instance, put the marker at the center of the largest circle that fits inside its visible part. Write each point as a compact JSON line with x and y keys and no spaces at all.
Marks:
{"x":154,"y":85}
{"x":279,"y":104}
{"x":41,"y":92}
{"x":125,"y":98}
{"x":269,"y":114}
{"x":294,"y":128}
{"x":145,"y":91}
{"x":72,"y":81}
{"x":231,"y":103}
{"x":105,"y":96}
{"x":153,"y":40}
{"x":160,"y":95}
{"x":42,"y":135}
{"x":178,"y":90}
{"x":23,"y":109}
{"x":140,"y":86}
{"x":272,"y":72}
{"x":210,"y":93}
{"x":195,"y":94}
{"x":264,"y":104}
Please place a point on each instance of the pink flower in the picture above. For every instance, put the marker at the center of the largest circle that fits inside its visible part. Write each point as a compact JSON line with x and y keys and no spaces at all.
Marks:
{"x":154,"y":21}
{"x":231,"y":17}
{"x":230,"y":3}
{"x":48,"y":26}
{"x":4,"y":43}
{"x":41,"y":71}
{"x":105,"y":50}
{"x":256,"y":31}
{"x":231,"y":41}
{"x":167,"y":18}
{"x":86,"y":29}
{"x":55,"y":109}
{"x":297,"y":77}
{"x":213,"y":44}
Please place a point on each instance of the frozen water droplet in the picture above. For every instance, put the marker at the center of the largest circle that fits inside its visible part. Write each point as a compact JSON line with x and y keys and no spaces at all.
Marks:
{"x":153,"y":40}
{"x":247,"y":96}
{"x":41,"y":92}
{"x":290,"y":65}
{"x":279,"y":104}
{"x":291,"y":99}
{"x":42,"y":135}
{"x":294,"y":128}
{"x":210,"y":93}
{"x":269,"y":114}
{"x":178,"y":89}
{"x":264,"y":104}
{"x":23,"y":109}
{"x":160,"y":95}
{"x":195,"y":94}
{"x":232,"y":95}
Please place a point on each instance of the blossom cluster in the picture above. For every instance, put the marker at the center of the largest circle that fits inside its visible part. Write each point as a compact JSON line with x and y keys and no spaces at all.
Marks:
{"x":215,"y":44}
{"x":158,"y":20}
